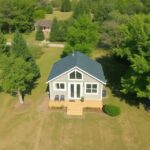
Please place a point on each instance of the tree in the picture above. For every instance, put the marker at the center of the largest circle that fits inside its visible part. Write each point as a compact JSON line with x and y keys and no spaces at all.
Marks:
{"x":39,"y":34}
{"x":19,"y":78}
{"x":39,"y":14}
{"x":66,"y":6}
{"x":82,"y":35}
{"x":54,"y":30}
{"x":136,"y":49}
{"x":81,"y":8}
{"x":19,"y":47}
{"x":2,"y":44}
{"x":49,"y":9}
{"x":17,"y":15}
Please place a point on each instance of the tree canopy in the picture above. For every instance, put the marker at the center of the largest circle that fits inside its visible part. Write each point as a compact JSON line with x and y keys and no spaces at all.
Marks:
{"x":66,"y":6}
{"x":136,"y":49}
{"x":82,"y":35}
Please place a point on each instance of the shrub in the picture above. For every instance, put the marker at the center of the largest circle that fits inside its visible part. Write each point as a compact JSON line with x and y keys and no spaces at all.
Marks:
{"x":39,"y":14}
{"x":39,"y":36}
{"x":111,"y":110}
{"x":49,"y":9}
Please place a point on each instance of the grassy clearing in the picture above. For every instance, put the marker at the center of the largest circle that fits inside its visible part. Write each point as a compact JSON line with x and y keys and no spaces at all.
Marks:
{"x":24,"y":128}
{"x":59,"y":15}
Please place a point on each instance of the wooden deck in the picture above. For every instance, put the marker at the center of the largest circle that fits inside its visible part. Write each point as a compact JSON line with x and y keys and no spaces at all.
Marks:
{"x":76,"y":108}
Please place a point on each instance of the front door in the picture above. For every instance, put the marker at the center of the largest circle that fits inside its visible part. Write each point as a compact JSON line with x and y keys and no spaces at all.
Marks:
{"x":75,"y":90}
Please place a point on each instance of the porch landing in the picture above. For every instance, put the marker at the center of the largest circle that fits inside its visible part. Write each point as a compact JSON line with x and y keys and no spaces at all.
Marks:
{"x":75,"y":108}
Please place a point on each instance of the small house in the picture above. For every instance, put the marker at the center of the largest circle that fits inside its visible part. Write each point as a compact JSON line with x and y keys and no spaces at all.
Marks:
{"x":76,"y":78}
{"x":44,"y":24}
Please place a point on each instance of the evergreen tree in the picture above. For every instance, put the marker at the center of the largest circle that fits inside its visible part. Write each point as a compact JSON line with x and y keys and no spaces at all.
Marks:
{"x":49,"y":9}
{"x":81,"y":8}
{"x":2,"y":43}
{"x":82,"y":35}
{"x":21,"y":76}
{"x":66,"y":6}
{"x":39,"y":34}
{"x":19,"y":46}
{"x":54,"y":30}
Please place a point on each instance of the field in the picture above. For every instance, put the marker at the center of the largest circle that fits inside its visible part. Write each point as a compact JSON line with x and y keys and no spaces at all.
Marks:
{"x":27,"y":128}
{"x":59,"y":15}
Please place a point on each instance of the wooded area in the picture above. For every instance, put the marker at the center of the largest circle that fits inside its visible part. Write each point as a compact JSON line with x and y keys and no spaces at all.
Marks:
{"x":122,"y":26}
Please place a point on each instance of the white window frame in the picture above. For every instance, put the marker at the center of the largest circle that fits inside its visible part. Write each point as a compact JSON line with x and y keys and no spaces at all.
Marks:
{"x":91,"y":84}
{"x":75,"y":70}
{"x":54,"y":86}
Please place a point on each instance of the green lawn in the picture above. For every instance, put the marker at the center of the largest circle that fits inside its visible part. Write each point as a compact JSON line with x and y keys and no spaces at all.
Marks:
{"x":59,"y":15}
{"x":24,"y":128}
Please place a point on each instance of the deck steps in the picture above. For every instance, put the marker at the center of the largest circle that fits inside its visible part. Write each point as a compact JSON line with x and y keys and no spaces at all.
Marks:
{"x":75,"y":110}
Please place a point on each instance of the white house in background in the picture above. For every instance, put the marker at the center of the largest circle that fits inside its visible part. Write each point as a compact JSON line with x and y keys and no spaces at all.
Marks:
{"x":76,"y":77}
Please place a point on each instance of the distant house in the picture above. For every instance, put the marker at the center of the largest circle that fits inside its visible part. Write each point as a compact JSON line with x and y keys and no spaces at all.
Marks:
{"x":44,"y":24}
{"x":76,"y":78}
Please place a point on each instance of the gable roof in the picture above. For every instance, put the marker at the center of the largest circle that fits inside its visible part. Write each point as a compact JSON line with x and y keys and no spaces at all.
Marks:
{"x":43,"y":23}
{"x":77,"y":60}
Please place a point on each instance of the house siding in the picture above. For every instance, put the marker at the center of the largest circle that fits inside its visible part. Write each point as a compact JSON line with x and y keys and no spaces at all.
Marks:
{"x":86,"y":79}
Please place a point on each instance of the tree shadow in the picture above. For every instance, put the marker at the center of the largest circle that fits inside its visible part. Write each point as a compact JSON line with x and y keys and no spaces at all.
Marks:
{"x":115,"y":68}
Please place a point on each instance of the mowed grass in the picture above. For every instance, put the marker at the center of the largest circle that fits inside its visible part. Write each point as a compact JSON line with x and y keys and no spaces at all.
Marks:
{"x":59,"y":15}
{"x":24,"y":128}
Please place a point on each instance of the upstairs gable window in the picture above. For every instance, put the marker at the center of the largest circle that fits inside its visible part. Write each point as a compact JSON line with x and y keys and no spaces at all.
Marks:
{"x":75,"y":75}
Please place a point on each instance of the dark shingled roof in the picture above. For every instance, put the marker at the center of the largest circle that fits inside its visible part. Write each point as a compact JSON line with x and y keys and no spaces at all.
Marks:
{"x":77,"y":60}
{"x":44,"y":23}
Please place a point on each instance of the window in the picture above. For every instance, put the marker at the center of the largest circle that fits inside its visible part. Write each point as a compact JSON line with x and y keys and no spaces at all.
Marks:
{"x":59,"y":86}
{"x":91,"y":88}
{"x":75,"y":75}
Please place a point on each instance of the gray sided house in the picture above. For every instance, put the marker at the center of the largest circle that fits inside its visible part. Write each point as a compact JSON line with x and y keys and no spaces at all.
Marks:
{"x":76,"y":77}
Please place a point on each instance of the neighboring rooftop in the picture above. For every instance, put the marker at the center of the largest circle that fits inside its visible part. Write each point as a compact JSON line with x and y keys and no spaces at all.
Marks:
{"x":81,"y":61}
{"x":43,"y":23}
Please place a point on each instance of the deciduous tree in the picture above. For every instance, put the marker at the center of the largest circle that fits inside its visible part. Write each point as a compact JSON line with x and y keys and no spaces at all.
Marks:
{"x":82,"y":35}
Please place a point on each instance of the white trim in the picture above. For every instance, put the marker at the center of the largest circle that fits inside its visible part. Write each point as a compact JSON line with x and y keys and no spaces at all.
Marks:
{"x":50,"y":90}
{"x":75,"y":94}
{"x":78,"y":69}
{"x":101,"y":91}
{"x":54,"y":86}
{"x":91,"y":84}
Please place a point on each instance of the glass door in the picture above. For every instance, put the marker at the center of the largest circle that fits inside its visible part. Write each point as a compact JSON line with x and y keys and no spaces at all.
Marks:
{"x":75,"y":90}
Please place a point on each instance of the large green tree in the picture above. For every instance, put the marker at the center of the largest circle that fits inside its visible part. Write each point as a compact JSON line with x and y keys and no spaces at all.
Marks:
{"x":18,"y":78}
{"x":18,"y":72}
{"x":54,"y":30}
{"x":14,"y":14}
{"x":19,"y":47}
{"x":66,"y":6}
{"x":136,"y":49}
{"x":82,"y":35}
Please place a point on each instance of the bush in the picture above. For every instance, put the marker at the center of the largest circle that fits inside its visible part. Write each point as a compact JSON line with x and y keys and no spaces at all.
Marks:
{"x":49,"y":9}
{"x":111,"y":110}
{"x":39,"y":14}
{"x":39,"y":36}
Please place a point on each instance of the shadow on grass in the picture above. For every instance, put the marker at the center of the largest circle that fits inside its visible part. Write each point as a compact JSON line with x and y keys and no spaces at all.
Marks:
{"x":115,"y":68}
